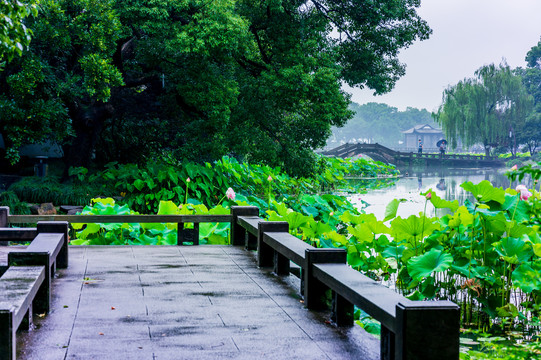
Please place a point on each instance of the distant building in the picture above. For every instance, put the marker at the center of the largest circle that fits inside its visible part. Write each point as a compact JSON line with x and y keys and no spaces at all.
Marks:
{"x":429,"y":137}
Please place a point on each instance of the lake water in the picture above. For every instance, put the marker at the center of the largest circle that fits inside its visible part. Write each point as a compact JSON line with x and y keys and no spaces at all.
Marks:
{"x":444,"y":182}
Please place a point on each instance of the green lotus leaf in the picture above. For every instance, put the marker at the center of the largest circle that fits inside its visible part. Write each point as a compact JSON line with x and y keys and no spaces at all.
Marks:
{"x":416,"y":296}
{"x":153,"y":226}
{"x":216,"y":239}
{"x":315,"y":229}
{"x":186,"y":209}
{"x":461,"y":217}
{"x":325,"y":243}
{"x":273,"y":216}
{"x":537,"y":249}
{"x":200,"y":208}
{"x":422,"y":266}
{"x":466,"y":270}
{"x":527,"y":277}
{"x":393,"y":251}
{"x":169,"y":238}
{"x":222,"y":229}
{"x":147,"y":240}
{"x":496,"y":224}
{"x":110,"y":226}
{"x":281,"y":208}
{"x":296,"y":220}
{"x":513,"y":250}
{"x":310,"y":210}
{"x":348,"y":217}
{"x":413,"y":226}
{"x":407,"y":254}
{"x":79,"y":242}
{"x":207,"y":229}
{"x":508,"y":310}
{"x":535,"y":235}
{"x":440,"y":203}
{"x":377,"y":227}
{"x":516,"y":230}
{"x":77,"y":226}
{"x":353,"y":257}
{"x":219,"y":210}
{"x":167,"y":208}
{"x":361,"y":233}
{"x":336,"y":238}
{"x":392,"y":208}
{"x":516,"y":209}
{"x":90,"y":229}
{"x":485,"y":191}
{"x":103,"y":201}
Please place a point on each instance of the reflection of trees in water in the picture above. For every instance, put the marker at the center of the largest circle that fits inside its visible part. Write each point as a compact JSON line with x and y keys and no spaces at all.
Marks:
{"x":408,"y":187}
{"x":453,"y":190}
{"x":372,"y":183}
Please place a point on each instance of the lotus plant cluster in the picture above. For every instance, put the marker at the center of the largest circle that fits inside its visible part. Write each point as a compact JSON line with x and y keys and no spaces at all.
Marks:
{"x":485,"y":254}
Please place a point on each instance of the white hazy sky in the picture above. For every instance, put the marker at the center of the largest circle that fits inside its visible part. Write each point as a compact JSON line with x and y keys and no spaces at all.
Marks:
{"x":467,"y":34}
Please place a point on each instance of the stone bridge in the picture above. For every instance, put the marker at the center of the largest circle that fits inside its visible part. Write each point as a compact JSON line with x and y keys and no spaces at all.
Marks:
{"x":384,"y":154}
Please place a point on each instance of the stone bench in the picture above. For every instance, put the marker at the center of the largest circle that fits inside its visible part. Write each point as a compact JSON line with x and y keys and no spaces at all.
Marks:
{"x":21,"y":290}
{"x":49,"y":248}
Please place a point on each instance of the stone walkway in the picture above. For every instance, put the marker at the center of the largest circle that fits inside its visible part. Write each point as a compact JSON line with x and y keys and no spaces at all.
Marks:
{"x":199,"y":302}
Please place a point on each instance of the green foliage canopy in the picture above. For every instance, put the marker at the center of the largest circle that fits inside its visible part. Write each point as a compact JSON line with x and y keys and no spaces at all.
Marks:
{"x":530,"y":134}
{"x":122,"y":80}
{"x":14,"y":35}
{"x":485,"y":109}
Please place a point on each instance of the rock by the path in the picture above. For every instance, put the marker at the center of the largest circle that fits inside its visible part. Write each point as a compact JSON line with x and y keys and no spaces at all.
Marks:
{"x":68,"y":208}
{"x":46,"y":209}
{"x":34,"y":209}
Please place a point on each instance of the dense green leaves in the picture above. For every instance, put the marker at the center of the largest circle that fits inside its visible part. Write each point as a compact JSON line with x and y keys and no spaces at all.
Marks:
{"x":485,"y":109}
{"x":127,"y":80}
{"x":14,"y":35}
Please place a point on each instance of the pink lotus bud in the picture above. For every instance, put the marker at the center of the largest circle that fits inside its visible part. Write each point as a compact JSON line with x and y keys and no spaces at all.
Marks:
{"x":525,"y":195}
{"x":429,"y":195}
{"x":331,"y":213}
{"x":524,"y":192}
{"x":269,"y":178}
{"x":230,"y":194}
{"x":514,"y":167}
{"x":188,"y":180}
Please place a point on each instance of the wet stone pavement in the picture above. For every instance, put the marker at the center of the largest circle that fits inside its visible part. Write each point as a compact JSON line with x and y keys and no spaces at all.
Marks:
{"x":199,"y":302}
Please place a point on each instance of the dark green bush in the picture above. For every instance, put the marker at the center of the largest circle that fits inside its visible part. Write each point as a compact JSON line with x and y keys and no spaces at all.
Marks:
{"x":11,"y":200}
{"x":49,"y":189}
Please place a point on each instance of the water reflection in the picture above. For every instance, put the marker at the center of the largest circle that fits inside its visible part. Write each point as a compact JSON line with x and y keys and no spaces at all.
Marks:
{"x":443,"y":181}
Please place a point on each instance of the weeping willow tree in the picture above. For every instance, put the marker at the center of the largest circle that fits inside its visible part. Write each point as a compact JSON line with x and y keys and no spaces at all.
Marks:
{"x":487,"y":109}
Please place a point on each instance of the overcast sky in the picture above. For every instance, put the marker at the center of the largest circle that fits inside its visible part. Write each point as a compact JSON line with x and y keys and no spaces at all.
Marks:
{"x":467,"y":34}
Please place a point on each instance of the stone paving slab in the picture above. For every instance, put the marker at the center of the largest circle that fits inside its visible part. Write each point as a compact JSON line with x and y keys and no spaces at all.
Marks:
{"x":194,"y":302}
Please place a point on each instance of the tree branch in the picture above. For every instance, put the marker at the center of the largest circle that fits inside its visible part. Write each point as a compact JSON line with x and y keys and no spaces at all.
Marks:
{"x":325,"y":12}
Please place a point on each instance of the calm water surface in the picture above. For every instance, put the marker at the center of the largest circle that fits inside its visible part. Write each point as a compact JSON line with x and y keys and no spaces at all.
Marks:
{"x":444,"y":182}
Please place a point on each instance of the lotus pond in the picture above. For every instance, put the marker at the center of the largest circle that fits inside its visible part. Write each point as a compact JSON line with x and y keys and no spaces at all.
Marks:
{"x":482,"y":252}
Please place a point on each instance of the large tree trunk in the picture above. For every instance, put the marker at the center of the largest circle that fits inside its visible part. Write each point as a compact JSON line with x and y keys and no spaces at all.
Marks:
{"x":87,"y":124}
{"x":487,"y":149}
